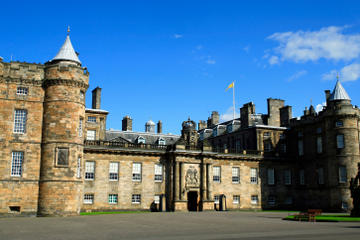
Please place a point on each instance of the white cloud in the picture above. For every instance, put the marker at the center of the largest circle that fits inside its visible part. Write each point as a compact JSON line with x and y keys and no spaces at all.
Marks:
{"x":328,"y":43}
{"x":247,"y":48}
{"x":274,"y":60}
{"x":210,"y":61}
{"x":297,"y":75}
{"x":199,"y":47}
{"x":320,"y":107}
{"x":178,"y":36}
{"x":228,"y":115}
{"x":350,"y":72}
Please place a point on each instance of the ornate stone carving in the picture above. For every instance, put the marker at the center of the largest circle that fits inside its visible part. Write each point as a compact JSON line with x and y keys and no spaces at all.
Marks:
{"x":192,"y":177}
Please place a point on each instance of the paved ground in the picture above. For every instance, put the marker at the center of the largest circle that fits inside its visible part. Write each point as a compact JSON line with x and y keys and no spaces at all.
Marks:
{"x":202,"y":225}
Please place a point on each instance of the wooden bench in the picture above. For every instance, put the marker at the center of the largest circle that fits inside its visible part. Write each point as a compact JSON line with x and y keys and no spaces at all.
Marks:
{"x":310,"y":215}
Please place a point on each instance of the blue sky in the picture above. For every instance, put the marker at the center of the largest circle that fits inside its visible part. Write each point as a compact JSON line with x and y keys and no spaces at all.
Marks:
{"x":172,"y":59}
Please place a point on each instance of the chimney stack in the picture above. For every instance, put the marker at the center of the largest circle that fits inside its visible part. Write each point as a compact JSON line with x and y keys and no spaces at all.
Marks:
{"x":159,"y":126}
{"x":202,"y":125}
{"x":96,"y":98}
{"x":127,"y":123}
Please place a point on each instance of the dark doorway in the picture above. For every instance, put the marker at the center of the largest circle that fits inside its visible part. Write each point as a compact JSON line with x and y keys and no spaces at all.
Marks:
{"x":192,"y":200}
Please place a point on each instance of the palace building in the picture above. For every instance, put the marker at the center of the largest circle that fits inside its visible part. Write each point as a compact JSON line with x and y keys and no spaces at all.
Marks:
{"x":58,"y":158}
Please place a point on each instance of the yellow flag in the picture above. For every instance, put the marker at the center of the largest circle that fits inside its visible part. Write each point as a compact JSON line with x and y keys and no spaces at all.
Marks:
{"x":230,"y":86}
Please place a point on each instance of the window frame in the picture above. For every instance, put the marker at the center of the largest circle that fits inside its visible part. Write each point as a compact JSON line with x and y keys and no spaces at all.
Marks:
{"x":88,"y":198}
{"x":340,"y":141}
{"x":158,"y":177}
{"x":17,"y":164}
{"x":254,"y":176}
{"x":136,"y":199}
{"x":114,"y":171}
{"x":22,"y":91}
{"x":342,"y":175}
{"x":236,"y":199}
{"x":91,"y":137}
{"x":20,"y":121}
{"x":113,"y":198}
{"x":235,"y":178}
{"x":93,"y":119}
{"x":254,"y":199}
{"x":136,"y":176}
{"x":270,"y":178}
{"x":287,"y":177}
{"x":217,"y":178}
{"x":89,"y":175}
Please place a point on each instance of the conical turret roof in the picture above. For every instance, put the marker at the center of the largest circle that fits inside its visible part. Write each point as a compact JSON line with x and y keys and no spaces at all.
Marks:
{"x":67,"y":52}
{"x":339,"y":93}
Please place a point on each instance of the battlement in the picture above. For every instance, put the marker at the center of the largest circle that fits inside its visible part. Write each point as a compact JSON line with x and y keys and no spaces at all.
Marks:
{"x":21,"y":71}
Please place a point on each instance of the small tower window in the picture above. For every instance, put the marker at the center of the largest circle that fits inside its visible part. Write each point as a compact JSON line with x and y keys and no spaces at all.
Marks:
{"x":161,"y":141}
{"x":23,"y":91}
{"x":91,"y":119}
{"x":141,"y":140}
{"x":339,"y":124}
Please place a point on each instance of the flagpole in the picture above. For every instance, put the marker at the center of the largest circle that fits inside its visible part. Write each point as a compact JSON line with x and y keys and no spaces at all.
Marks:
{"x":234,"y":101}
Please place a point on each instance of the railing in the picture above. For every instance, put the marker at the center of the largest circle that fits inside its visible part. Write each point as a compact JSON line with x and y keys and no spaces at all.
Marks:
{"x":238,"y":151}
{"x":114,"y":144}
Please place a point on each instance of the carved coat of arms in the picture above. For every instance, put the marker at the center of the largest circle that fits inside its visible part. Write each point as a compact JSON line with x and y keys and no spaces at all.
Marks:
{"x":192,"y":177}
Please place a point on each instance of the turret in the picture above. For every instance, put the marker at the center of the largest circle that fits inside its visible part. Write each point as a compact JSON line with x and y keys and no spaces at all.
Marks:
{"x":65,"y":84}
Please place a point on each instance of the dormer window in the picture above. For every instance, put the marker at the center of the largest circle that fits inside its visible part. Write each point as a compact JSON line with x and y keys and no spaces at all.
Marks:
{"x":23,"y":91}
{"x":141,"y":140}
{"x":161,"y":141}
{"x":266,"y":134}
{"x":214,"y":132}
{"x":229,"y":128}
{"x":339,"y":124}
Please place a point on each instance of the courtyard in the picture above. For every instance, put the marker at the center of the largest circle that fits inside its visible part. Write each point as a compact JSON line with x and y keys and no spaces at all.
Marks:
{"x":175,"y":225}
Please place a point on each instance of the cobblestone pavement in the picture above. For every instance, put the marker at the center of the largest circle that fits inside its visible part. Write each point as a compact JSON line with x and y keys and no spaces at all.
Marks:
{"x":201,"y":225}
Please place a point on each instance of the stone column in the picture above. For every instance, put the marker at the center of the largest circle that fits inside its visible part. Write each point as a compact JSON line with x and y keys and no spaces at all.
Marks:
{"x":182,"y":180}
{"x":204,"y":181}
{"x":177,"y":180}
{"x":209,"y":175}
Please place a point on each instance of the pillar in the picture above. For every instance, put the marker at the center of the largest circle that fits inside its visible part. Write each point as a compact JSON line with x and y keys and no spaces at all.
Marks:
{"x":209,"y":171}
{"x":204,"y":181}
{"x":177,"y":180}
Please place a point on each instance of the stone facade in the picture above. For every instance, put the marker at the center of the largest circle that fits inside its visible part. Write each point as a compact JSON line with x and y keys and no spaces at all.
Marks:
{"x":58,"y":158}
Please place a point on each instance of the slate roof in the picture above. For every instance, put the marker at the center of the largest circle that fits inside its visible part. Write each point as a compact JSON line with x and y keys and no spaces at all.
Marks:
{"x":339,"y":93}
{"x":67,"y":52}
{"x":131,"y":137}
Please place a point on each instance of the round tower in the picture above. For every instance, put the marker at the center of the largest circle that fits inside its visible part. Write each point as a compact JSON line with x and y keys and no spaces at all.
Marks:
{"x":61,"y":181}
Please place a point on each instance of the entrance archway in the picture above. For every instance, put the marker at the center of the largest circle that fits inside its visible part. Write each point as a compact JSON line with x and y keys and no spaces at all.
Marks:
{"x":192,"y":197}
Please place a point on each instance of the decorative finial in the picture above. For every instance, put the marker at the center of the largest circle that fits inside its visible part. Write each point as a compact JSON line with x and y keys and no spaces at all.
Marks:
{"x":68,"y":30}
{"x":310,"y":101}
{"x":337,"y":76}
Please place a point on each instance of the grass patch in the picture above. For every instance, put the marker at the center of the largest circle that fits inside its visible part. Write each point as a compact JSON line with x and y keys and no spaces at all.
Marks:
{"x":329,"y":218}
{"x":109,"y":212}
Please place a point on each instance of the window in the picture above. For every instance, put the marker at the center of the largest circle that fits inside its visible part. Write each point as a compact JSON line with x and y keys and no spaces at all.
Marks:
{"x":114,"y":171}
{"x":82,"y":94}
{"x":88,"y":198}
{"x":267,"y":146}
{"x":217,"y":199}
{"x":339,"y":124}
{"x":89,"y":170}
{"x":254,"y":199}
{"x":214,"y":133}
{"x":300,"y":147}
{"x":236,"y":199}
{"x":320,"y":172}
{"x":91,"y":119}
{"x":300,"y":134}
{"x":271,"y":200}
{"x":318,"y":130}
{"x":302,"y":177}
{"x":16,"y":164}
{"x":78,"y":168}
{"x":91,"y":135}
{"x":62,"y":158}
{"x":344,"y":205}
{"x":287,"y":177}
{"x":161,"y":141}
{"x":319,"y":144}
{"x":113,"y":198}
{"x":136,"y":199}
{"x":282,"y":136}
{"x":136,"y":172}
{"x":342,"y":174}
{"x":235,"y":175}
{"x":80,"y":127}
{"x":271,"y":176}
{"x":20,"y":121}
{"x":157,"y":199}
{"x":216,"y":174}
{"x":340,"y":141}
{"x":158,"y":173}
{"x":266,"y":134}
{"x":229,"y":128}
{"x":22,"y":91}
{"x":253,"y":176}
{"x":238,"y":146}
{"x":141,"y":140}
